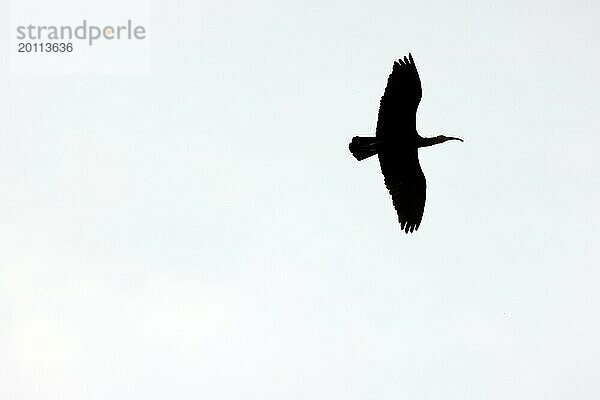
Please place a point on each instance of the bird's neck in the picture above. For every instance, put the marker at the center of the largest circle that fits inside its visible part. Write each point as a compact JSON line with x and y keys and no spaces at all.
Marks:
{"x":429,"y":141}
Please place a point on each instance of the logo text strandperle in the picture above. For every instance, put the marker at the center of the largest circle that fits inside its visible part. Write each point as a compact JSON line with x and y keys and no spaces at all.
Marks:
{"x":81,"y":32}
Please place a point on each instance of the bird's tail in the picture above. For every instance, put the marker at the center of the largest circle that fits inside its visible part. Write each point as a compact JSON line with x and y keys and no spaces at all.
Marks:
{"x":363,"y":147}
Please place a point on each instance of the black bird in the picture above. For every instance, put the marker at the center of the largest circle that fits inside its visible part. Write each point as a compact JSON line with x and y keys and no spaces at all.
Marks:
{"x":397,"y":143}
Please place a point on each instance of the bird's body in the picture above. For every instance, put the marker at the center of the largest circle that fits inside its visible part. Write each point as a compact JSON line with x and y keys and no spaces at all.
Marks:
{"x":397,"y":143}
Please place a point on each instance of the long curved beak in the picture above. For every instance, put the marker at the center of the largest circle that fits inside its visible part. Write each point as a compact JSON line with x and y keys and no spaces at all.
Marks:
{"x":454,"y":138}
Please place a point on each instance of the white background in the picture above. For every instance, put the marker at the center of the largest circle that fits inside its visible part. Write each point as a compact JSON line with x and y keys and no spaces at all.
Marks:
{"x":202,"y":232}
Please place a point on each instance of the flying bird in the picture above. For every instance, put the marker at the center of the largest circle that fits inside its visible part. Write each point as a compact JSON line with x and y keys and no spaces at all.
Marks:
{"x":397,"y":143}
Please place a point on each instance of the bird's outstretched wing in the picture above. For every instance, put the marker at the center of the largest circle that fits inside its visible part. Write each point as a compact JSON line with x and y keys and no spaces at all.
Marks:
{"x":405,"y":181}
{"x":398,"y":154}
{"x":399,"y":103}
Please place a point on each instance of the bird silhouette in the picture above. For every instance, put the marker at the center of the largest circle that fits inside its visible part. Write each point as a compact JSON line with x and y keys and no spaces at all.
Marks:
{"x":397,"y":143}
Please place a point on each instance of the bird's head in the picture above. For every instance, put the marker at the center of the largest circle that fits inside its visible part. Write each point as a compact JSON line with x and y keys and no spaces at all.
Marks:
{"x":431,"y":141}
{"x":442,"y":138}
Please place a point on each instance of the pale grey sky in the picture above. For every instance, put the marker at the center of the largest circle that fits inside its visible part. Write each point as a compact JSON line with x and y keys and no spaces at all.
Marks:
{"x":202,"y":232}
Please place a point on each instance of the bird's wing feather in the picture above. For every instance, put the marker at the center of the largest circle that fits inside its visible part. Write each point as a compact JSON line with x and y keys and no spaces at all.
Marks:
{"x":399,"y":103}
{"x":405,"y":181}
